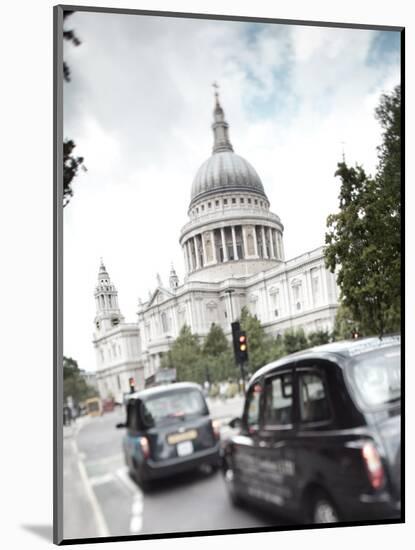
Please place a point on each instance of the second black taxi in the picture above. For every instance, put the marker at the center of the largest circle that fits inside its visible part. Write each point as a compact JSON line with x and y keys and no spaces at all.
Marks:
{"x":319,"y":439}
{"x":168,"y":431}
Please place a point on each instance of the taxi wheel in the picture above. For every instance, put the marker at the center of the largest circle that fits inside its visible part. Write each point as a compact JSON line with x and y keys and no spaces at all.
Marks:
{"x":322,"y":510}
{"x":144,"y":484}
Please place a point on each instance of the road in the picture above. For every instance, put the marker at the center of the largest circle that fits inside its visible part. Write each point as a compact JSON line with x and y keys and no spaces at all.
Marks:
{"x":101,"y":500}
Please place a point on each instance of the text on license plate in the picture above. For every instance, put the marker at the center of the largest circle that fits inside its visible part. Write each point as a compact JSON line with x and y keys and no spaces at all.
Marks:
{"x":185,"y":436}
{"x":184,"y":448}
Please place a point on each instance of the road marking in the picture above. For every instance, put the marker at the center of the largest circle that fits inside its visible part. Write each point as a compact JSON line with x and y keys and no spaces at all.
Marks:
{"x":136,"y":524}
{"x":100,"y":480}
{"x":105,"y":460}
{"x":122,"y":473}
{"x":103,"y":530}
{"x":137,"y":507}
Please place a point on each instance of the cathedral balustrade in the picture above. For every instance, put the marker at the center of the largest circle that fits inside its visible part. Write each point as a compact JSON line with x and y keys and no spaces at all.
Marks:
{"x":243,"y":215}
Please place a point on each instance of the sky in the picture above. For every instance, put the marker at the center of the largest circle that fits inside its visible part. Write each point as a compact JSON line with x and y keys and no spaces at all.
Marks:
{"x":139,"y":107}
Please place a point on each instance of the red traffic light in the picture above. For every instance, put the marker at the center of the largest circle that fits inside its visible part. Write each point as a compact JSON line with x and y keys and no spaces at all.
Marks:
{"x":242,"y":342}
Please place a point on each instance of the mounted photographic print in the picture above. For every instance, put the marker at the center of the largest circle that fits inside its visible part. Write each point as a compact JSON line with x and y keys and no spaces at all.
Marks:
{"x":227,"y":274}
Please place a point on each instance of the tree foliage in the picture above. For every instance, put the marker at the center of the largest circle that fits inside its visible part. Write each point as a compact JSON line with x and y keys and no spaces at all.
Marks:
{"x":215,"y":342}
{"x":294,"y":341}
{"x":363,"y":238}
{"x":262,"y":348}
{"x":74,"y":384}
{"x":71,"y":163}
{"x":71,"y":36}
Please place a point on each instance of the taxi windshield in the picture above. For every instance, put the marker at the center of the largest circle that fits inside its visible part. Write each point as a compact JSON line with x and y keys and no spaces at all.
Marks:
{"x":174,"y":405}
{"x":377,"y":377}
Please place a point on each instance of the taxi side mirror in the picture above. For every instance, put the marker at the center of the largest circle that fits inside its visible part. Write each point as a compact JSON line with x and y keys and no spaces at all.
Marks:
{"x":121,"y":425}
{"x":236,"y":422}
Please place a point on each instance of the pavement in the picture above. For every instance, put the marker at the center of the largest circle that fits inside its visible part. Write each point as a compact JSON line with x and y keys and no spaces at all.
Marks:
{"x":78,"y":500}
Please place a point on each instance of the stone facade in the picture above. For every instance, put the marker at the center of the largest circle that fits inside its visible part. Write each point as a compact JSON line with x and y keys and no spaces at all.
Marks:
{"x":117,"y":343}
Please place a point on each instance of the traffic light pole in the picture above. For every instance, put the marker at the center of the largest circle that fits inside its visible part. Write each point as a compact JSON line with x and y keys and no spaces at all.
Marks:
{"x":241,"y":366}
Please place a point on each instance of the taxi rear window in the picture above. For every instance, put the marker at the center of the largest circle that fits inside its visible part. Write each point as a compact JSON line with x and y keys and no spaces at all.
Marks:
{"x":377,"y":377}
{"x":173,"y":405}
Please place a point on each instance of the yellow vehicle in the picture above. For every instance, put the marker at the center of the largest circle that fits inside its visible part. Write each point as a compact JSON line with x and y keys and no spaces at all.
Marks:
{"x":93,"y":406}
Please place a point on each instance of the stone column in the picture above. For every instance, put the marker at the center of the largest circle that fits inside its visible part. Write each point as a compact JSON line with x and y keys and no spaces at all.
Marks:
{"x":196,"y":252}
{"x":225,"y":250}
{"x":245,"y":241}
{"x":202,"y":237}
{"x":255,"y":241}
{"x":271,"y":242}
{"x":235,"y":251}
{"x":275,"y":243}
{"x":264,"y":244}
{"x":212,"y":238}
{"x":310,"y":300}
{"x":281,"y":246}
{"x":191,"y":259}
{"x":324,"y":290}
{"x":189,"y":255}
{"x":186,"y":258}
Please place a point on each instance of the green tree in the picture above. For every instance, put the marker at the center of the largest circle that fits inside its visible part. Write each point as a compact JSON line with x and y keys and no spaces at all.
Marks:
{"x":318,"y":338}
{"x":71,"y":163}
{"x":363,"y":238}
{"x":215,"y":342}
{"x":294,"y":340}
{"x":185,"y":353}
{"x":74,"y":385}
{"x":262,"y":348}
{"x":344,"y":324}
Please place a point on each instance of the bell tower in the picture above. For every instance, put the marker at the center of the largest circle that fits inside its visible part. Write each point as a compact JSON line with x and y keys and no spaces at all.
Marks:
{"x":108,"y":314}
{"x":173,"y":279}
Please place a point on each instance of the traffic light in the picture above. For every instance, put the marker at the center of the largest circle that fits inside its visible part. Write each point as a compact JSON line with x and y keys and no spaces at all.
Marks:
{"x":131,"y":383}
{"x":240,"y":343}
{"x":355,"y":334}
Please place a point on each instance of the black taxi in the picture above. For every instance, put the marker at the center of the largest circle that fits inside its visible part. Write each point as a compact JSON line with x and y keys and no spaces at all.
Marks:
{"x":319,"y":439}
{"x":168,"y":431}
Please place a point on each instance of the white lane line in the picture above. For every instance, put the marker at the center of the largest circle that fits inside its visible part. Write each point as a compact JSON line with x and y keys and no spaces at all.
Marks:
{"x":136,"y":524}
{"x":137,"y":507}
{"x":103,"y":530}
{"x":122,"y":473}
{"x":106,"y":460}
{"x":100,"y":480}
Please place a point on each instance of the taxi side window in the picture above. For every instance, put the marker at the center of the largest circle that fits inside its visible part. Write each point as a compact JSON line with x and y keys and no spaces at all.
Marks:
{"x":314,"y":406}
{"x":279,"y":400}
{"x":253,"y":406}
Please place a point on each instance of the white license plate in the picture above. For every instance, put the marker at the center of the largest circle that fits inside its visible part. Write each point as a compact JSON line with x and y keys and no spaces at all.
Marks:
{"x":185,"y":448}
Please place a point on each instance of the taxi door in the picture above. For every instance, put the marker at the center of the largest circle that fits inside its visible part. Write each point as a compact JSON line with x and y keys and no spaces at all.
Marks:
{"x":275,"y":445}
{"x":245,"y":444}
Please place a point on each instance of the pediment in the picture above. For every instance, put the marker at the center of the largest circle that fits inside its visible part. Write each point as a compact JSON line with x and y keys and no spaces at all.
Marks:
{"x":159,"y":296}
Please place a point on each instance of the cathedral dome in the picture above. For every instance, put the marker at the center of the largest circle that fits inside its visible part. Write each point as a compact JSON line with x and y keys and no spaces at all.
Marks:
{"x":225,"y":171}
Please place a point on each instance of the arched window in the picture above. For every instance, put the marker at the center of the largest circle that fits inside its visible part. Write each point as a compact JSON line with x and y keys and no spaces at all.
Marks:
{"x":297,"y":293}
{"x":164,"y":322}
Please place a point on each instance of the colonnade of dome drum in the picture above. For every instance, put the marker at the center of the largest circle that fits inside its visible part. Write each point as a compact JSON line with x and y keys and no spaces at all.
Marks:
{"x":232,"y":243}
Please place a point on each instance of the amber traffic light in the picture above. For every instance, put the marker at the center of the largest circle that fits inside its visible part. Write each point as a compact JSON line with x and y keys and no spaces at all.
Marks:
{"x":240,"y":343}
